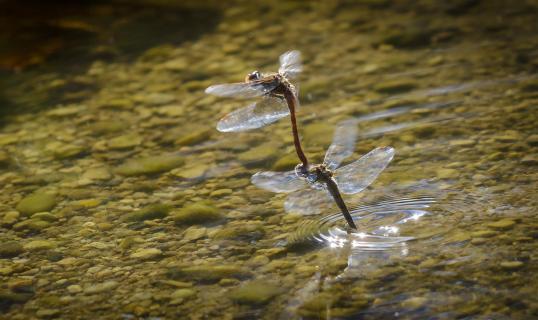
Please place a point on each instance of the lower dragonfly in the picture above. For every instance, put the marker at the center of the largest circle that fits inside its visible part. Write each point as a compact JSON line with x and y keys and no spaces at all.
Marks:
{"x":328,"y":180}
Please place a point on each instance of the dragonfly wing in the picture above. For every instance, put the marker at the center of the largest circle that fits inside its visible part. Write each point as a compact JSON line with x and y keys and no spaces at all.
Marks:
{"x":287,"y":181}
{"x":343,"y":144}
{"x":358,"y":175}
{"x":245,"y":90}
{"x":308,"y":202}
{"x":290,"y":64}
{"x":253,"y":116}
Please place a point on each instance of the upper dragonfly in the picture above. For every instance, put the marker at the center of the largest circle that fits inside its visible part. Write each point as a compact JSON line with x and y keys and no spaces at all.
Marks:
{"x":273,"y":87}
{"x":327,"y":179}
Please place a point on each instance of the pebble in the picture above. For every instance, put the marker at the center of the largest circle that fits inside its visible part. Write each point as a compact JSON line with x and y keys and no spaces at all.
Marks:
{"x":38,"y":245}
{"x":74,"y":288}
{"x":503,"y":224}
{"x":36,"y":202}
{"x":146,"y":253}
{"x":511,"y":265}
{"x":255,"y":292}
{"x":10,"y":249}
{"x":194,"y":233}
{"x":150,"y":165}
{"x":197,"y":213}
{"x":125,"y":141}
{"x":101,"y":287}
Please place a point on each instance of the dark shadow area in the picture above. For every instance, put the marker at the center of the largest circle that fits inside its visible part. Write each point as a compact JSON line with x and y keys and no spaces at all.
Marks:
{"x":64,"y":37}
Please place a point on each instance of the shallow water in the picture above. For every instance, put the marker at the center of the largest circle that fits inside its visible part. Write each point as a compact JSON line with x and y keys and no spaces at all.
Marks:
{"x":119,"y":199}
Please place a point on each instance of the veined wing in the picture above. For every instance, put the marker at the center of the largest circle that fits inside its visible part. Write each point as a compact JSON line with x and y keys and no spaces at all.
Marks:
{"x":290,"y":64}
{"x":253,"y":116}
{"x":309,"y":202}
{"x":343,"y":144}
{"x":358,"y":175}
{"x":245,"y":90}
{"x":287,"y":181}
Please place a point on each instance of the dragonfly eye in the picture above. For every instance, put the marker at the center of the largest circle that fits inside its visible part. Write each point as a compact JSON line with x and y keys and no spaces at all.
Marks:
{"x":254,"y":76}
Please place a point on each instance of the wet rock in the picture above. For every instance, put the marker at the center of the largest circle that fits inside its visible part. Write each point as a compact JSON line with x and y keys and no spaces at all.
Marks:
{"x":31,"y":224}
{"x":47,"y":313}
{"x":65,"y":111}
{"x":68,"y":151}
{"x":194,"y":233}
{"x":159,"y":98}
{"x":530,"y":160}
{"x":8,"y":298}
{"x":317,"y":304}
{"x":197,"y":213}
{"x":146,"y":254}
{"x":101,"y":287}
{"x":511,"y":265}
{"x":154,"y":211}
{"x":259,"y":154}
{"x":191,"y":171}
{"x":106,"y":126}
{"x":45,"y":216}
{"x":533,"y":140}
{"x":288,"y":162}
{"x":503,"y":224}
{"x":100,"y":174}
{"x":182,"y":294}
{"x":221,"y":193}
{"x":39,"y":245}
{"x":414,"y":302}
{"x":255,"y":292}
{"x":208,"y":273}
{"x":318,"y":134}
{"x":36,"y":202}
{"x":446,"y":173}
{"x":240,"y":231}
{"x":149,"y":165}
{"x":530,"y":86}
{"x":10,"y":249}
{"x":395,"y":86}
{"x":125,"y":141}
{"x":194,"y":136}
{"x":10,"y":217}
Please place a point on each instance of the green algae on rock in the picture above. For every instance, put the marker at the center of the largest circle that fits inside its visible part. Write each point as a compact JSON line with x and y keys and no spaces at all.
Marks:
{"x":38,"y":201}
{"x":255,"y":292}
{"x":197,"y":213}
{"x":154,"y":211}
{"x":150,"y":165}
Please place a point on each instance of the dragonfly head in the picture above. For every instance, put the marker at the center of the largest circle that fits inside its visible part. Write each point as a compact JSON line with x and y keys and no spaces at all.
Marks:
{"x":255,"y":75}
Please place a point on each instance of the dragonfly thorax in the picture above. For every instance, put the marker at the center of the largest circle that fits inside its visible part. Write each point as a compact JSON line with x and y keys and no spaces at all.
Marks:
{"x":315,"y":174}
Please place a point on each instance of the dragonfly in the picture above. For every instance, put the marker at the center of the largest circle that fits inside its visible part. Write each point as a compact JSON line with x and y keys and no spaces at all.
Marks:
{"x":310,"y":189}
{"x":278,"y":99}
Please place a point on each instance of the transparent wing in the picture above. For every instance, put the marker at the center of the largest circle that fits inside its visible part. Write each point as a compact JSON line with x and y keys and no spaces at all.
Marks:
{"x":343,"y":145}
{"x":256,"y":115}
{"x":290,"y":64}
{"x":278,"y":181}
{"x":358,"y":175}
{"x":309,"y":202}
{"x":245,"y":90}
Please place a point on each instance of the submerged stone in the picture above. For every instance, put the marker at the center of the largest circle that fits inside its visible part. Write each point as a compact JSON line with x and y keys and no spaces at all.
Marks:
{"x":208,"y":273}
{"x":255,"y":292}
{"x":259,"y":154}
{"x":146,"y":253}
{"x":511,"y":265}
{"x":101,"y":287}
{"x":154,"y":211}
{"x":193,"y":137}
{"x":36,"y":202}
{"x":150,"y":165}
{"x":197,"y":213}
{"x":125,"y":141}
{"x":38,"y":245}
{"x":502,"y":224}
{"x":395,"y":86}
{"x":10,"y":249}
{"x":31,"y":224}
